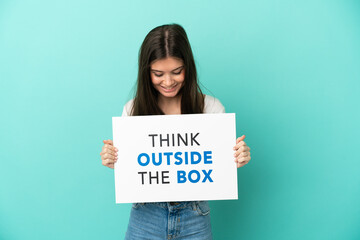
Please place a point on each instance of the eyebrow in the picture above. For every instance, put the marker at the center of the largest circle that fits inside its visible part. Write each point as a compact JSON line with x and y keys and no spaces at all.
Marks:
{"x":154,"y":70}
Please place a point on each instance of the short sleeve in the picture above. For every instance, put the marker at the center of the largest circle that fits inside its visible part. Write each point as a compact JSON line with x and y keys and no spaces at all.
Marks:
{"x":127,"y":108}
{"x":124,"y":113}
{"x":213,"y":105}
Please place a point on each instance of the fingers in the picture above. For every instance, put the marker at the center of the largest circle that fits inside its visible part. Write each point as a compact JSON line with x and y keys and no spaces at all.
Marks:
{"x":109,"y":141}
{"x":108,"y":154}
{"x":239,"y":139}
{"x":239,"y":142}
{"x":242,"y":152}
{"x":108,"y":160}
{"x":108,"y":163}
{"x":242,"y":149}
{"x":109,"y":149}
{"x":239,"y":165}
{"x":109,"y":144}
{"x":242,"y":161}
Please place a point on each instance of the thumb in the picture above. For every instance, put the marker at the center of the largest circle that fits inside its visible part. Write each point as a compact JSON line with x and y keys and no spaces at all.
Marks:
{"x":109,"y":141}
{"x":239,"y":139}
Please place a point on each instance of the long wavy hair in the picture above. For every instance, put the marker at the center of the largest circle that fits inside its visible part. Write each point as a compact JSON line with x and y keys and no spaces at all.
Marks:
{"x":164,"y":41}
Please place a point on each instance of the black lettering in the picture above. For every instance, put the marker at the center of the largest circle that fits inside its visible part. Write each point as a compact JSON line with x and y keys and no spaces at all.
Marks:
{"x":184,"y":141}
{"x":193,"y":139}
{"x":142,"y":177}
{"x":163,"y":177}
{"x":152,"y":138}
{"x":164,"y":140}
{"x":152,"y":177}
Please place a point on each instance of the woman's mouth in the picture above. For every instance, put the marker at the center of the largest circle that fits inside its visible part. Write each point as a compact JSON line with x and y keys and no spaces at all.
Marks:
{"x":169,"y":89}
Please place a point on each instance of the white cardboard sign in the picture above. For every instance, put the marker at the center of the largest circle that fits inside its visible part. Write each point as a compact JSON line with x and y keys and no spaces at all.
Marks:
{"x":175,"y":158}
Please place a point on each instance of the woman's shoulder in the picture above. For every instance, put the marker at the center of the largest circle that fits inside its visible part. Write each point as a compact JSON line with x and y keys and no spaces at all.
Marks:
{"x":127,"y":108}
{"x":212,"y":105}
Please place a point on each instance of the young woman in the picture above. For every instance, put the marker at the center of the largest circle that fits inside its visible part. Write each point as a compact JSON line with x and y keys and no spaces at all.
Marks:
{"x":167,"y":84}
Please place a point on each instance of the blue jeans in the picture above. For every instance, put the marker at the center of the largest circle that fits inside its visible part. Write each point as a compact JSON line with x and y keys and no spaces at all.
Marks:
{"x":161,"y":220}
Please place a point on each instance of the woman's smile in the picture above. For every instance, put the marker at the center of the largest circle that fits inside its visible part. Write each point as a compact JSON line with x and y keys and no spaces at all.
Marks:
{"x":169,"y":89}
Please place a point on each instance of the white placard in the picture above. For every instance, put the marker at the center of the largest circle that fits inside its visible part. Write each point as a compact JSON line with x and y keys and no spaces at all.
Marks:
{"x":175,"y":158}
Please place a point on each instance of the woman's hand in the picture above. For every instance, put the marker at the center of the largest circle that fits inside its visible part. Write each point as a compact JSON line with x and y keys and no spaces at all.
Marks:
{"x":242,"y":154}
{"x":108,"y":154}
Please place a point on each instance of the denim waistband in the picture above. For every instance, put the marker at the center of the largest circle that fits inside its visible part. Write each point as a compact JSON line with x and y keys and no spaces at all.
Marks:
{"x":178,"y":205}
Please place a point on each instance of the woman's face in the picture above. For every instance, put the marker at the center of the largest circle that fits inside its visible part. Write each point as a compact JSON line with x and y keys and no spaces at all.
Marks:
{"x":167,"y":76}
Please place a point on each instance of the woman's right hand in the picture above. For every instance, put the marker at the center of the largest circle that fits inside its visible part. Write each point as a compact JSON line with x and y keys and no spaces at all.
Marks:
{"x":108,"y":154}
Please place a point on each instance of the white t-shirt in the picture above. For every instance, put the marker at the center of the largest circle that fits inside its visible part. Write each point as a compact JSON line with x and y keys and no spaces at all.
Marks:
{"x":211,"y":105}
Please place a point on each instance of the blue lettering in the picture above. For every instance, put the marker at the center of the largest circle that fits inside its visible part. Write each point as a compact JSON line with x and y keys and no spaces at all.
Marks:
{"x":177,"y":157}
{"x":181,"y":175}
{"x":197,"y":176}
{"x":168,"y":154}
{"x":207,"y":155}
{"x":160,"y":159}
{"x":207,"y":175}
{"x":198,"y":157}
{"x":147,"y":159}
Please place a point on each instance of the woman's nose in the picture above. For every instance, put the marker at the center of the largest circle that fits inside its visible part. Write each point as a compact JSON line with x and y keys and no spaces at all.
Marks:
{"x":167,"y":80}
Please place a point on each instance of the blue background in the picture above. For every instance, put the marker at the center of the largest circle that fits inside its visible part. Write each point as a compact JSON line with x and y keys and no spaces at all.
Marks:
{"x":290,"y":70}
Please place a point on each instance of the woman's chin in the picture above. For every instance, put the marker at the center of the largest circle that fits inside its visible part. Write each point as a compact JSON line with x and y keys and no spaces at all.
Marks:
{"x":169,"y":94}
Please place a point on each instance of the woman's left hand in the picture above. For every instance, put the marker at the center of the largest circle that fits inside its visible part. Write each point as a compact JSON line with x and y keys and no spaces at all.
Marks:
{"x":242,"y":154}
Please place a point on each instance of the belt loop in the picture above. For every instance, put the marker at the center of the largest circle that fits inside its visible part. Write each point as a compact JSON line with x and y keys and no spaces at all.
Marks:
{"x":194,"y":205}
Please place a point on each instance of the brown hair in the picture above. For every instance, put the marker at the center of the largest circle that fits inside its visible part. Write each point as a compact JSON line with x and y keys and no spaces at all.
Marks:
{"x":168,"y":40}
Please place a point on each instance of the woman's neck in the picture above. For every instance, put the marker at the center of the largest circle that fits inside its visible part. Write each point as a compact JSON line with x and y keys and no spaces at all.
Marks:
{"x":170,"y":105}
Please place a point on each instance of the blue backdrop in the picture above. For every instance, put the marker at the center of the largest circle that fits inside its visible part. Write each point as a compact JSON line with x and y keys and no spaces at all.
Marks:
{"x":290,"y":70}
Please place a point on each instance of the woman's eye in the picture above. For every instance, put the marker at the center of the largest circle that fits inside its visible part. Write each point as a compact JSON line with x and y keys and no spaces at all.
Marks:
{"x":158,"y":75}
{"x":177,"y":73}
